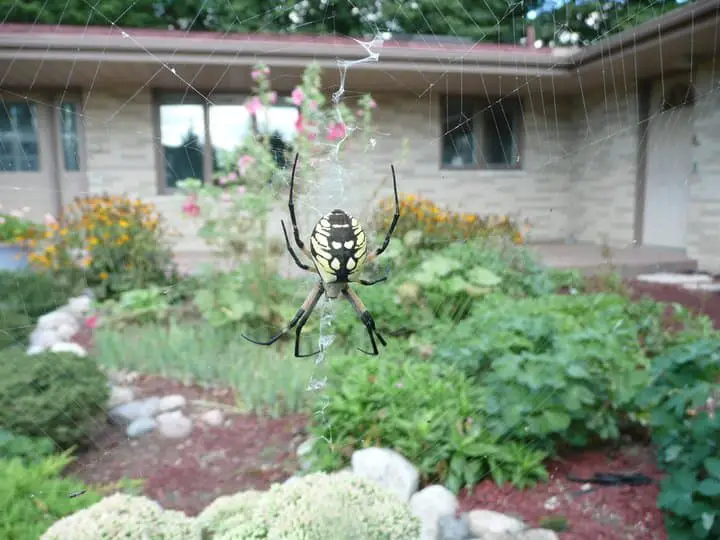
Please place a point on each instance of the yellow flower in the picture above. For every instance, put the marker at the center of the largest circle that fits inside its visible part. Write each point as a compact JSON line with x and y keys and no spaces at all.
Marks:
{"x":93,"y":241}
{"x":63,"y":231}
{"x":104,"y":275}
{"x":124,"y":224}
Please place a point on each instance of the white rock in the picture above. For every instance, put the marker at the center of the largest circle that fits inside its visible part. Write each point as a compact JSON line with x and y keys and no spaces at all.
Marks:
{"x":487,"y":522}
{"x":174,"y":425}
{"x":42,"y":339}
{"x":68,"y":347}
{"x":78,"y":306}
{"x":213,"y":418}
{"x":388,"y":469}
{"x":62,"y":322}
{"x":429,"y":505}
{"x":141,"y":408}
{"x":120,"y":395}
{"x":140,"y":427}
{"x":303,"y":451}
{"x":171,"y":402}
{"x":538,"y":534}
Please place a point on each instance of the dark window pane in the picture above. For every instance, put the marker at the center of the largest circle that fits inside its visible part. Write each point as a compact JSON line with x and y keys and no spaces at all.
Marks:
{"x":182,"y":135}
{"x":69,"y":135}
{"x":229,"y":127}
{"x":499,"y":137}
{"x":459,"y":143}
{"x":19,"y":149}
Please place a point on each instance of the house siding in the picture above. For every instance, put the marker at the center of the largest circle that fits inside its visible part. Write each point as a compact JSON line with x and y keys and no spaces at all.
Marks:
{"x":704,"y":211}
{"x":604,"y":168}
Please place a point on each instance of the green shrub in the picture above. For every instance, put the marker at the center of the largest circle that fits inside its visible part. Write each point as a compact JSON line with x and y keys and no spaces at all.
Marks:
{"x":32,"y":293}
{"x":32,"y":496}
{"x":426,"y":412}
{"x":319,"y":506}
{"x":28,"y":449}
{"x":56,"y":395}
{"x":15,"y":328}
{"x":683,"y":395}
{"x":554,"y":369}
{"x":124,"y":516}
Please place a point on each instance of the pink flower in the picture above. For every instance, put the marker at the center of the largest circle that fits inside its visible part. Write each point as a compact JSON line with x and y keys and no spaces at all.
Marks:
{"x":372,"y":103}
{"x":91,"y":322}
{"x":232,"y":177}
{"x":50,"y":220}
{"x":191,"y":207}
{"x":241,"y":190}
{"x":254,"y":105}
{"x":244,"y":164}
{"x":297,"y":96}
{"x":272,"y":97}
{"x":223,"y":180}
{"x":225,"y":197}
{"x":255,"y":74}
{"x":313,"y":105}
{"x":336,"y":131}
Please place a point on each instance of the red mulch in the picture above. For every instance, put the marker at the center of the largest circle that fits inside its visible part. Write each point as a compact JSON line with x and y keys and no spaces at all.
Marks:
{"x":602,"y":513}
{"x":251,"y":452}
{"x":706,"y":303}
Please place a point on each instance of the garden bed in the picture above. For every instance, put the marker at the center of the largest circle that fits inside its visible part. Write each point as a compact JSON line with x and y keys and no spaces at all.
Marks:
{"x":707,"y":303}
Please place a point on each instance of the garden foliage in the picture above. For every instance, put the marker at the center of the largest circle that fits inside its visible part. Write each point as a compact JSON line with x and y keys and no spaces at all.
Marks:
{"x":683,"y":397}
{"x":34,"y":495}
{"x":111,"y":243}
{"x":55,"y":395}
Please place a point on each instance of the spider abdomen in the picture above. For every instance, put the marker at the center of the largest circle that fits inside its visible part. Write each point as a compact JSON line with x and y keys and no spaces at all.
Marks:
{"x":338,"y":247}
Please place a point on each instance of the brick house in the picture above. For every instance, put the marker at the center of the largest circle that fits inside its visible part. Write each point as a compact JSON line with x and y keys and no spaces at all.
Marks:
{"x":618,"y":142}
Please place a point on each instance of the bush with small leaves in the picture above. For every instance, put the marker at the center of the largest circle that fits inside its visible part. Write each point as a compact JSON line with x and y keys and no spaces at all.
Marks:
{"x":124,"y":516}
{"x":56,"y":395}
{"x":319,"y":506}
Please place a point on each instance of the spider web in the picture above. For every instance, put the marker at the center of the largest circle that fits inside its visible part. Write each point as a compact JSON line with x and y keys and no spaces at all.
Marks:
{"x":351,"y":185}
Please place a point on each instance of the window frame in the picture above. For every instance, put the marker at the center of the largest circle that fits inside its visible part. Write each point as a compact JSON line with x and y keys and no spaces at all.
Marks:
{"x":480,"y":109}
{"x":179,"y":98}
{"x":18,"y":140}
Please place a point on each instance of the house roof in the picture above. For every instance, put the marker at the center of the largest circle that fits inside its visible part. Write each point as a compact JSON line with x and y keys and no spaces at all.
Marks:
{"x":686,"y":30}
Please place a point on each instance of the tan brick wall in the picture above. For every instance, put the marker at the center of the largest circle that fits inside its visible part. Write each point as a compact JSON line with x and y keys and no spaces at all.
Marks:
{"x":604,"y":168}
{"x":704,"y":211}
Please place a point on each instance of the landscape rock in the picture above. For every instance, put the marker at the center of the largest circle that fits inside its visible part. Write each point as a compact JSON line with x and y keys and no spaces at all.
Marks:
{"x":213,"y":417}
{"x":538,"y":534}
{"x":452,"y":528}
{"x":429,"y":505}
{"x":171,"y":402}
{"x":141,"y":426}
{"x":303,"y":451}
{"x":68,"y":347}
{"x":119,"y":395}
{"x":127,"y":412}
{"x":174,"y":425}
{"x":388,"y":469}
{"x":487,"y":522}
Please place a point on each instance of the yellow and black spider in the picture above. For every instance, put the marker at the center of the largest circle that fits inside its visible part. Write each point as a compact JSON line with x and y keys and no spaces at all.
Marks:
{"x":338,"y":251}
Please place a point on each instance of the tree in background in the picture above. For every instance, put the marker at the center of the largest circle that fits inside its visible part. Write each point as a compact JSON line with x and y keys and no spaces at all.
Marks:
{"x":556,"y":22}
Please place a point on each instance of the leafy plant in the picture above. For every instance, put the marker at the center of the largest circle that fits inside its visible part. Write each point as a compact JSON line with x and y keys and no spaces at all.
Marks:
{"x":439,"y":226}
{"x":111,"y":243}
{"x":15,"y":328}
{"x":683,"y":397}
{"x":426,"y":412}
{"x":28,"y":449}
{"x":139,"y":306}
{"x":16,"y":229}
{"x":56,"y":395}
{"x":32,"y":293}
{"x":33,"y":496}
{"x":555,"y":369}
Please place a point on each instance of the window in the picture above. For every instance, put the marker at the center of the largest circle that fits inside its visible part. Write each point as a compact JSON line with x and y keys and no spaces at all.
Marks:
{"x":199,"y":139}
{"x":480,"y":133}
{"x":19,"y":147}
{"x":69,"y":136}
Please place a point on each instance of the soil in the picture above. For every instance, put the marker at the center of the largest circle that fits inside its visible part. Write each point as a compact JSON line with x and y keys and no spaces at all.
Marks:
{"x":590,"y":512}
{"x":252,"y":452}
{"x":247,"y":452}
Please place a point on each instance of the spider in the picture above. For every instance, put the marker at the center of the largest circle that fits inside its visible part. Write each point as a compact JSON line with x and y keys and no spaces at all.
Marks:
{"x":338,"y":251}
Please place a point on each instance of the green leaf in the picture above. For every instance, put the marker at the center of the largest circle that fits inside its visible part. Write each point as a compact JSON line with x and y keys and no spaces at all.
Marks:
{"x":672,"y":452}
{"x":709,"y":487}
{"x":483,"y":277}
{"x":712,"y":465}
{"x":708,"y":520}
{"x":556,"y":420}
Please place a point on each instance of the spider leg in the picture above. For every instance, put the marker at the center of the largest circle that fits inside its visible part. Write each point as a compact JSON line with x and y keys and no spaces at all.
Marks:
{"x":366,"y":319}
{"x":373,"y":282}
{"x":393,"y":224}
{"x":300,"y":317}
{"x":291,"y":208}
{"x":297,"y":260}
